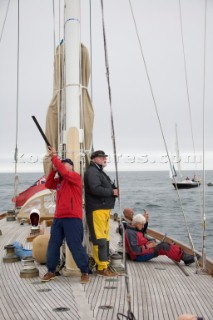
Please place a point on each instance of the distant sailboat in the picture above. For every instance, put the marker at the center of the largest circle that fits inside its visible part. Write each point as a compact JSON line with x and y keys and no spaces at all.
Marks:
{"x":181,"y":183}
{"x":186,"y":184}
{"x":210,"y":184}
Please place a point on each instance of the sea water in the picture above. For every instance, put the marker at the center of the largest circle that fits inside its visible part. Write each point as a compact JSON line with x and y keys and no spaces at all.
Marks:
{"x":154,"y":192}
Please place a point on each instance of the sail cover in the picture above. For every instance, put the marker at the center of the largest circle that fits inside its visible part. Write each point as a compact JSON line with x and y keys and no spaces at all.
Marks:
{"x":55,"y":124}
{"x":51,"y":130}
{"x":88,"y":113}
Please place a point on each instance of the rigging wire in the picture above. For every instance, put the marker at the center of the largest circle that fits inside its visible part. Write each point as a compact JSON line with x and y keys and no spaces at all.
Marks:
{"x":186,"y":80}
{"x":57,"y":53}
{"x":2,"y":30}
{"x":190,"y":114}
{"x":53,"y":5}
{"x":91,"y":76}
{"x":91,"y":59}
{"x":204,"y":178}
{"x":161,"y":129}
{"x":188,"y":100}
{"x":16,"y":181}
{"x":112,"y":121}
{"x":90,"y":80}
{"x":59,"y":82}
{"x":84,"y":151}
{"x":177,"y":152}
{"x":110,"y":102}
{"x":130,"y":315}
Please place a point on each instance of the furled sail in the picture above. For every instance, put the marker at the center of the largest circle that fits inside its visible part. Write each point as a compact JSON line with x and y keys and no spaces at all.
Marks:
{"x":53,"y":122}
{"x":88,"y":114}
{"x":52,"y":113}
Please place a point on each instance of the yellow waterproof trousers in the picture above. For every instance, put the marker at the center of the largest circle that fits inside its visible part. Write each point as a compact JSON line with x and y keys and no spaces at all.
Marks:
{"x":100,"y":237}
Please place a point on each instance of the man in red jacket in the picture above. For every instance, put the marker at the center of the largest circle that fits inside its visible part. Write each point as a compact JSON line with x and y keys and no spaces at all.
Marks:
{"x":67,"y":221}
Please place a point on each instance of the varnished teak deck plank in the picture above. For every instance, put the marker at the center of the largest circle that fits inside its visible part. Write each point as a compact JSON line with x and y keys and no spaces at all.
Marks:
{"x":159,"y":290}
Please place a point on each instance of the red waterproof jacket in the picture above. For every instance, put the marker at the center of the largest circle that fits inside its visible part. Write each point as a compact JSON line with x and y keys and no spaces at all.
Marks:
{"x":68,"y":191}
{"x":136,"y":243}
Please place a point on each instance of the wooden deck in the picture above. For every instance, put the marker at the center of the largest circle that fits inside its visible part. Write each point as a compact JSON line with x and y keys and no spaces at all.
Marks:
{"x":159,"y":289}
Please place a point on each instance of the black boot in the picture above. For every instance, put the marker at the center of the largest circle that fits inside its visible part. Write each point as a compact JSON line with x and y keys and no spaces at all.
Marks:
{"x":187,"y":259}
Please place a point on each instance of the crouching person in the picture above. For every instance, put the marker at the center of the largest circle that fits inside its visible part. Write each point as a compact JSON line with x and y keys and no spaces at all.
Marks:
{"x":141,"y":249}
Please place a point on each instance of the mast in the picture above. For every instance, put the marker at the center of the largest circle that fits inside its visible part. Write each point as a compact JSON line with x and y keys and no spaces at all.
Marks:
{"x":72,"y":135}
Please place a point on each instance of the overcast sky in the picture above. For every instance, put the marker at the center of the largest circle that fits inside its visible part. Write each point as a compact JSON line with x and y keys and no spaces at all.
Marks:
{"x":138,"y":136}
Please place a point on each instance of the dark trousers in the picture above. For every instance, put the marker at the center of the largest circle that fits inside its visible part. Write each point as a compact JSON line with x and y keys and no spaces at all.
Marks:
{"x":72,"y":230}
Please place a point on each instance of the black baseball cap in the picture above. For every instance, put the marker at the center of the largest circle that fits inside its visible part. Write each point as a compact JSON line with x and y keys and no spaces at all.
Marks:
{"x":98,"y":153}
{"x":67,"y":161}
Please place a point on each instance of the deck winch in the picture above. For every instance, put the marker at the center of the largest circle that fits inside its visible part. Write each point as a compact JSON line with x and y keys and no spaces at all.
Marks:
{"x":11,"y":215}
{"x":10,"y":254}
{"x":116,"y":260}
{"x":29,"y":268}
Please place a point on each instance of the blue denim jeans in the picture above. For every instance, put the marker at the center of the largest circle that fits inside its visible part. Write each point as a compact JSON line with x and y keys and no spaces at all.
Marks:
{"x":72,"y":230}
